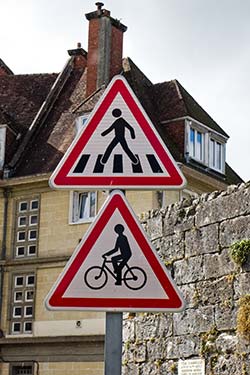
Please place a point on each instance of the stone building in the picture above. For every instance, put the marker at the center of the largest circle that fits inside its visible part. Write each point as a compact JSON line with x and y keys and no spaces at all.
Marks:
{"x":39,"y":228}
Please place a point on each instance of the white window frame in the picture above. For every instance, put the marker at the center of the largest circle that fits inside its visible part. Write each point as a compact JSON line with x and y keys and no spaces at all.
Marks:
{"x":31,"y":202}
{"x":74,"y":207}
{"x":27,"y":206}
{"x":207,"y":136}
{"x":21,"y":240}
{"x":16,"y":332}
{"x":18,"y":300}
{"x":24,"y":324}
{"x":19,"y":286}
{"x":32,"y":238}
{"x":30,"y":223}
{"x":213,"y":161}
{"x":28,"y":251}
{"x":14,"y":314}
{"x":19,"y":220}
{"x":18,"y":255}
{"x":26,"y":315}
{"x":27,"y":277}
{"x":26,"y":296}
{"x":197,"y":155}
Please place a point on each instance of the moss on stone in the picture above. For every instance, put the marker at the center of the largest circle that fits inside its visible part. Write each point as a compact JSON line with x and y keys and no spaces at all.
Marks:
{"x":243,"y":317}
{"x":239,"y":251}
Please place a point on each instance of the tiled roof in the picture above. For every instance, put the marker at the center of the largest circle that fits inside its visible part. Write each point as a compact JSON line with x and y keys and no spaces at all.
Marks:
{"x":174,"y":102}
{"x":164,"y":101}
{"x":21,"y":96}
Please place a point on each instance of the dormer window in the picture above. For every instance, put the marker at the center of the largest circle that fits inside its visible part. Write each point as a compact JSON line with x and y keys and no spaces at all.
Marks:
{"x":205,"y":146}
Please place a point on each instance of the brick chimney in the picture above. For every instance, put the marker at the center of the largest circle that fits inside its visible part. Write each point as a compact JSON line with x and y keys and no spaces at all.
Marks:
{"x":104,"y":48}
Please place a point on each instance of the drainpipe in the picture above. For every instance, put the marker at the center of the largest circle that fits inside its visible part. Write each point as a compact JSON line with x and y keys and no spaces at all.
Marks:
{"x":6,"y":193}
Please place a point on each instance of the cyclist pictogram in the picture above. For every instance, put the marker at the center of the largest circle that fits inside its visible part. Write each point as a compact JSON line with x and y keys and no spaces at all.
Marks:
{"x":135,"y":278}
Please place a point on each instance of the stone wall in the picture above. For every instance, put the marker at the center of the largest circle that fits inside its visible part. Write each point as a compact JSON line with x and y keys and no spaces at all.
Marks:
{"x":193,"y":239}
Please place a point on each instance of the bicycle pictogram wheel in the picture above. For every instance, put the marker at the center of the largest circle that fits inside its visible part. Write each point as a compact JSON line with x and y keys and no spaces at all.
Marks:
{"x":95,"y":277}
{"x":135,"y":278}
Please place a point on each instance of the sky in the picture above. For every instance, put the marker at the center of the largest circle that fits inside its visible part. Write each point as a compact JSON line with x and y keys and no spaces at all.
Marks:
{"x":204,"y":44}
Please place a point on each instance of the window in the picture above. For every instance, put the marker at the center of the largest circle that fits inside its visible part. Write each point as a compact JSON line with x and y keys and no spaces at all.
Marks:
{"x":205,"y":146}
{"x":22,"y":369}
{"x":27,"y":228}
{"x":83,"y":206}
{"x":22,"y":303}
{"x":196,"y":144}
{"x":216,"y":155}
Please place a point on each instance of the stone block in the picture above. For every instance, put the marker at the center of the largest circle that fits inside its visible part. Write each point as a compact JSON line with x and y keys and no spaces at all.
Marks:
{"x":225,"y":317}
{"x":241,"y":285}
{"x":234,"y":230}
{"x":155,"y":226}
{"x":226,"y":343}
{"x":214,"y":292}
{"x":140,"y":353}
{"x":172,"y":247}
{"x":219,"y":209}
{"x":181,"y":346}
{"x":156,"y":349}
{"x":180,"y":219}
{"x":189,"y":294}
{"x":217,"y":265}
{"x":188,"y":270}
{"x":150,"y":326}
{"x":201,"y":241}
{"x":193,"y":321}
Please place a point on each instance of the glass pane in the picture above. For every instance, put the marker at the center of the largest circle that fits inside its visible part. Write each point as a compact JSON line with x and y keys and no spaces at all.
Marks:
{"x":29,"y":295}
{"x":34,"y":205}
{"x":22,"y":221}
{"x":19,"y":281}
{"x":20,"y":236}
{"x":92,"y":204}
{"x":20,"y":250}
{"x":27,"y":326}
{"x":30,"y":280}
{"x":17,"y":312}
{"x":23,"y":206}
{"x":33,"y":219}
{"x":32,"y":234}
{"x":28,"y":311}
{"x":16,"y":327}
{"x":32,"y":250}
{"x":218,"y":155}
{"x":83,"y":206}
{"x":18,"y":296}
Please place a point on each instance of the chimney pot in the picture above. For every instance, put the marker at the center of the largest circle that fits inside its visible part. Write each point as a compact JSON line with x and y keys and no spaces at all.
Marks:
{"x":79,"y":45}
{"x":99,"y":5}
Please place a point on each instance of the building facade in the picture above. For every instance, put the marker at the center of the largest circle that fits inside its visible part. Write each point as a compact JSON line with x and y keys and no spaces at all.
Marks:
{"x":40,"y":115}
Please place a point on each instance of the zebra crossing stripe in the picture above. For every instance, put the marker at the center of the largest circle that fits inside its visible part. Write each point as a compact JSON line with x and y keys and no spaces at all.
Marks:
{"x":117,"y":164}
{"x":81,"y":164}
{"x":98,"y":168}
{"x":155,"y":166}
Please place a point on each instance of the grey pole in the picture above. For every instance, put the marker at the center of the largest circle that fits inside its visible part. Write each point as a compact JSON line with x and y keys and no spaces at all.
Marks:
{"x":113,"y":343}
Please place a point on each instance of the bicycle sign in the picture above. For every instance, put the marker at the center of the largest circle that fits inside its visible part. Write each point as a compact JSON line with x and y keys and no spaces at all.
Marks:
{"x":115,"y":268}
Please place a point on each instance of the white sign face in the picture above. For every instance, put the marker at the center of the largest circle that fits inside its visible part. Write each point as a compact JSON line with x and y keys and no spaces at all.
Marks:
{"x":115,"y":268}
{"x":118,"y":147}
{"x":191,"y":367}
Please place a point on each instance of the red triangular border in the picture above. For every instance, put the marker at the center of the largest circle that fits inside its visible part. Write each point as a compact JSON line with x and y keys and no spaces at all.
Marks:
{"x":173,"y":301}
{"x":60,"y":178}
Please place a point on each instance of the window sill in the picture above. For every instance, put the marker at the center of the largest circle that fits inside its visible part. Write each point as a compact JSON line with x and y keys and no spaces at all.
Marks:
{"x":83,"y":221}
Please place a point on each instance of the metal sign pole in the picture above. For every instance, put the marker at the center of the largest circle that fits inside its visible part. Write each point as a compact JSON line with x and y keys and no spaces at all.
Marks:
{"x":113,"y":344}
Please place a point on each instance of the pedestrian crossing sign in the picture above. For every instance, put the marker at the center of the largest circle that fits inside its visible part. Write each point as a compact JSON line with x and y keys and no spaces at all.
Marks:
{"x":118,"y":147}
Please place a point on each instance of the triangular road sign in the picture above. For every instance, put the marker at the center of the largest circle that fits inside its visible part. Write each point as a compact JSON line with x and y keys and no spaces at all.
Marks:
{"x":140,"y":283}
{"x":118,"y":147}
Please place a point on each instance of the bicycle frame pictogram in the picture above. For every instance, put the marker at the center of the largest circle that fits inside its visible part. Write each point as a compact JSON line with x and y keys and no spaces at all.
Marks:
{"x":96,"y":277}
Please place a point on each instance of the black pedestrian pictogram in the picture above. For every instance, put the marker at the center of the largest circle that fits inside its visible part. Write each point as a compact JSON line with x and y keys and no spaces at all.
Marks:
{"x":134,"y":278}
{"x":119,"y":126}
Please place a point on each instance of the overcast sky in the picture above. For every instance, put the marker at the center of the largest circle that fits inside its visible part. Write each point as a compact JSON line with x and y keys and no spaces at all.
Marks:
{"x":205,"y":44}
